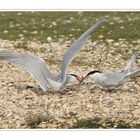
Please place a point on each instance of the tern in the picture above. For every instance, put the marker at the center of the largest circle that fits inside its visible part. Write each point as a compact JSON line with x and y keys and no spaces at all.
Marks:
{"x":114,"y":79}
{"x":39,"y":70}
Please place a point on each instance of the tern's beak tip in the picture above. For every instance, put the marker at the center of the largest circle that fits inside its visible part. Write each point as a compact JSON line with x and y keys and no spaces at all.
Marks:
{"x":83,"y":78}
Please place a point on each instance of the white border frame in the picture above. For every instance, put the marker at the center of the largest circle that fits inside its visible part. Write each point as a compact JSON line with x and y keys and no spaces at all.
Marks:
{"x":69,"y":4}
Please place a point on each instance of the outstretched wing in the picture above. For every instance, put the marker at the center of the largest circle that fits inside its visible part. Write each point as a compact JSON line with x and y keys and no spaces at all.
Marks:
{"x":34,"y":65}
{"x":75,"y":48}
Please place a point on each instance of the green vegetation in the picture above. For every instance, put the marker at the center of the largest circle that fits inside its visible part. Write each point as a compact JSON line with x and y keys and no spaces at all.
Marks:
{"x":67,"y":25}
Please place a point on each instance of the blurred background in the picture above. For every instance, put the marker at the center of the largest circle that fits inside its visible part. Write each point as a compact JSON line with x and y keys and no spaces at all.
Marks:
{"x":68,"y":25}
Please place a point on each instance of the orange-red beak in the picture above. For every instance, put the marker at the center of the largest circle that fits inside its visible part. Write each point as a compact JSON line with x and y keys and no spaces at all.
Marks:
{"x":83,"y":78}
{"x":78,"y":79}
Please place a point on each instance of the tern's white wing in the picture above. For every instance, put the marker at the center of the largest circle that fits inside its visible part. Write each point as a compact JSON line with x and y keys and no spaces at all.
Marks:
{"x":75,"y":48}
{"x":34,"y":65}
{"x":129,"y":64}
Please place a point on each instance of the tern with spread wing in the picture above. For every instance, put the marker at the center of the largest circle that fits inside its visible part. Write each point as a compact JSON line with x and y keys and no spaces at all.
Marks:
{"x":39,"y":70}
{"x":110,"y":80}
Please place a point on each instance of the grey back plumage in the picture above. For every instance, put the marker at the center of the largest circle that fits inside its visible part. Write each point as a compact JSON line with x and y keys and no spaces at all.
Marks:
{"x":119,"y":77}
{"x":113,"y":79}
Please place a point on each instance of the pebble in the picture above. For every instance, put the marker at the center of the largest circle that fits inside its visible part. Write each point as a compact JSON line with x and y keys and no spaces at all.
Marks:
{"x":49,"y":39}
{"x":100,"y":36}
{"x":5,"y":31}
{"x":109,"y":41}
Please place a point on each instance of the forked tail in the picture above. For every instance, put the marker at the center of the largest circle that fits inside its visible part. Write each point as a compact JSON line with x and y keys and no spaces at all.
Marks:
{"x":127,"y":68}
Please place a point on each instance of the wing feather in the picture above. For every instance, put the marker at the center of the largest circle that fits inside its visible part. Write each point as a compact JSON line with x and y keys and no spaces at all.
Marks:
{"x":34,"y":65}
{"x":70,"y":54}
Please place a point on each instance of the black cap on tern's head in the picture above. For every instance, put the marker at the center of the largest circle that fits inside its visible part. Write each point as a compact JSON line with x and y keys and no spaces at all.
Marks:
{"x":76,"y":76}
{"x":92,"y":72}
{"x":73,"y":75}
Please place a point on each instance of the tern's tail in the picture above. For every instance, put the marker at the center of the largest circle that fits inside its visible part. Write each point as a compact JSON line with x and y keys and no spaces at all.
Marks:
{"x":127,"y":68}
{"x":134,"y":73}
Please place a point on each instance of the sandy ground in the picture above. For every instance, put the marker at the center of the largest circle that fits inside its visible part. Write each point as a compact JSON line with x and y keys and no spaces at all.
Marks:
{"x":24,"y":105}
